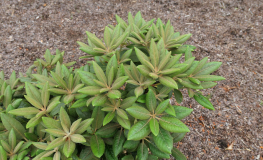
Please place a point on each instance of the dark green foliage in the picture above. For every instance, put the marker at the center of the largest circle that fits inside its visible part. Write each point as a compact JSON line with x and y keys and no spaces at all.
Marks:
{"x":116,"y":107}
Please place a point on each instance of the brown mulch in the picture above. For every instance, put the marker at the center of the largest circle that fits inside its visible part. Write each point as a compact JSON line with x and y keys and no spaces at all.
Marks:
{"x":230,"y":31}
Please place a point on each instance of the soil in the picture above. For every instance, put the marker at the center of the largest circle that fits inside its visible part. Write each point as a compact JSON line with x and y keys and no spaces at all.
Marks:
{"x":230,"y":31}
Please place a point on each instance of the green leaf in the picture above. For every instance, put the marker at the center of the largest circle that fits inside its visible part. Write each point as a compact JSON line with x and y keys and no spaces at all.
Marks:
{"x":18,"y":147}
{"x":31,"y":136}
{"x":138,"y":112}
{"x":178,"y":155}
{"x":142,"y":152}
{"x":154,"y":126}
{"x":151,"y":101}
{"x":12,"y":138}
{"x":3,"y":155}
{"x":99,"y":100}
{"x":170,"y":110}
{"x":56,"y":132}
{"x":114,"y":94}
{"x":33,"y":92}
{"x":51,"y":123}
{"x":97,"y":42}
{"x":108,"y":118}
{"x":183,"y":38}
{"x":173,"y":125}
{"x":162,"y":106}
{"x":182,"y":112}
{"x":98,"y":116}
{"x":152,"y":157}
{"x":90,"y":90}
{"x":203,"y":101}
{"x":33,"y":102}
{"x":127,"y":157}
{"x":57,"y":156}
{"x":56,"y":143}
{"x":97,"y":146}
{"x":43,"y":155}
{"x":79,"y":103}
{"x":64,"y":119}
{"x":178,"y":136}
{"x":7,"y":96}
{"x":99,"y":73}
{"x":164,"y":141}
{"x":40,"y":145}
{"x":24,"y":111}
{"x":157,"y":152}
{"x":144,"y":70}
{"x":140,"y":130}
{"x":77,"y":138}
{"x":108,"y":130}
{"x":194,"y":80}
{"x":83,"y":126}
{"x":45,"y":95}
{"x":34,"y":121}
{"x":119,"y":82}
{"x":125,"y":123}
{"x":75,"y":125}
{"x":208,"y":68}
{"x":138,"y":91}
{"x":59,"y":80}
{"x":53,"y":104}
{"x":6,"y":146}
{"x":154,"y":55}
{"x":9,"y":123}
{"x":168,"y":81}
{"x":118,"y":143}
{"x":207,"y":85}
{"x":178,"y":96}
{"x":187,"y":83}
{"x":128,"y":102}
{"x":131,"y":145}
{"x":69,"y":148}
{"x":87,"y":78}
{"x":86,"y":154}
{"x":107,"y":36}
{"x":58,"y":91}
{"x":209,"y":78}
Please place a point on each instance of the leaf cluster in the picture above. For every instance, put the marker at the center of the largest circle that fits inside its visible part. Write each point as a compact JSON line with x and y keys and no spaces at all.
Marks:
{"x":115,"y":107}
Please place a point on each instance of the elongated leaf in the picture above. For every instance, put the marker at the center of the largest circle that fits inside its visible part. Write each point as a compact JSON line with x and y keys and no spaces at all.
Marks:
{"x":164,"y":141}
{"x":69,"y":148}
{"x":56,"y":143}
{"x":138,"y":112}
{"x":127,"y":157}
{"x":168,"y":81}
{"x":64,"y":119}
{"x":140,"y":130}
{"x":118,"y":143}
{"x":77,"y":138}
{"x":12,"y":139}
{"x":33,"y":92}
{"x":51,"y":123}
{"x":162,"y":106}
{"x":35,"y":120}
{"x":24,"y":111}
{"x":173,"y":125}
{"x":138,"y":91}
{"x":7,"y":96}
{"x":96,"y":41}
{"x":43,"y":155}
{"x":128,"y":102}
{"x":34,"y":102}
{"x":3,"y":155}
{"x":178,"y":96}
{"x":208,"y":68}
{"x":114,"y":94}
{"x":107,"y":36}
{"x":56,"y":132}
{"x":59,"y":80}
{"x":18,"y":147}
{"x":177,"y":136}
{"x":154,"y":55}
{"x":99,"y":73}
{"x":108,"y":130}
{"x":119,"y":82}
{"x":125,"y":123}
{"x":157,"y":152}
{"x":209,"y":78}
{"x":144,"y":70}
{"x":83,"y":126}
{"x":58,"y":91}
{"x":90,"y":90}
{"x":99,"y":100}
{"x":178,"y":155}
{"x":131,"y":145}
{"x":87,"y":78}
{"x":45,"y":95}
{"x":98,"y":116}
{"x":142,"y":152}
{"x":151,"y":101}
{"x":108,"y":118}
{"x":203,"y":101}
{"x":6,"y":146}
{"x":154,"y":126}
{"x":182,"y":112}
{"x":122,"y":113}
{"x":187,"y":83}
{"x":9,"y":123}
{"x":97,"y":146}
